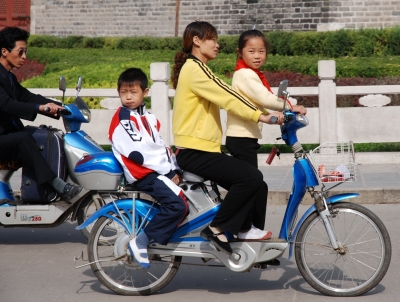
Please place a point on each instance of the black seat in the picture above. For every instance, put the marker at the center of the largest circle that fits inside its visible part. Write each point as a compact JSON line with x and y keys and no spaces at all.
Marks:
{"x":9,"y":165}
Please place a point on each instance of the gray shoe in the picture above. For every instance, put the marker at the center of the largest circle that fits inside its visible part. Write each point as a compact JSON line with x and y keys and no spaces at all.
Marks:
{"x":70,"y":191}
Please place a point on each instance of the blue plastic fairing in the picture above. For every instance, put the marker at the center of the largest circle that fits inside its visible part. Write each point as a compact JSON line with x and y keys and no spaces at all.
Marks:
{"x":6,"y":191}
{"x":147,"y":209}
{"x":104,"y":161}
{"x":81,"y":140}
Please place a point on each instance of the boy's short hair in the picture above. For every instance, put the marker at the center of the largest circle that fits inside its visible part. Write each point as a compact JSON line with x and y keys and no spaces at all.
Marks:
{"x":133,"y":76}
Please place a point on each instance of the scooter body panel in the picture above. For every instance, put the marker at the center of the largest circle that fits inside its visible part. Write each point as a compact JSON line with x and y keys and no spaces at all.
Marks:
{"x":6,"y":191}
{"x":18,"y":215}
{"x":304,"y":176}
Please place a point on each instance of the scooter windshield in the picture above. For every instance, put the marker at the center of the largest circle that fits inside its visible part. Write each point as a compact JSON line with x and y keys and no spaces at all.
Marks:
{"x":83,"y":108}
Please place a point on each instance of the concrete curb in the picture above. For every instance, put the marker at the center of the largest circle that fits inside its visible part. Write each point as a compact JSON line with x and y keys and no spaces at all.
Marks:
{"x":370,"y":196}
{"x":362,"y":158}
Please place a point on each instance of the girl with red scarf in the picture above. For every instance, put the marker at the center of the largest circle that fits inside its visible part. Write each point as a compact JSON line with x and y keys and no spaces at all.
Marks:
{"x":250,"y":82}
{"x":242,"y":136}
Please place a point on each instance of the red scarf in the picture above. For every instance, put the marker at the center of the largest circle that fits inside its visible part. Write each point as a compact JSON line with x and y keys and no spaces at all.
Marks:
{"x":241,"y":64}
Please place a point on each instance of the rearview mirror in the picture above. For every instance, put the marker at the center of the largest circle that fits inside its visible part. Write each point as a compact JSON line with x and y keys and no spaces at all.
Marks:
{"x":79,"y":84}
{"x":282,"y":87}
{"x":62,"y":84}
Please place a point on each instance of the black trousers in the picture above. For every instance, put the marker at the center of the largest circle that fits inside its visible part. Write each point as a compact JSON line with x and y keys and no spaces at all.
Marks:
{"x":243,"y":182}
{"x":21,"y":146}
{"x":245,"y":148}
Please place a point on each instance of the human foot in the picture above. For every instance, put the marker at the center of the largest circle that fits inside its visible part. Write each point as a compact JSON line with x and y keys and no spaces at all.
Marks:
{"x":217,"y":236}
{"x":254,"y":234}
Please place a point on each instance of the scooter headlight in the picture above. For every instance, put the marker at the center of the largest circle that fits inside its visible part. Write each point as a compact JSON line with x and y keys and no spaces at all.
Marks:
{"x":86,"y":114}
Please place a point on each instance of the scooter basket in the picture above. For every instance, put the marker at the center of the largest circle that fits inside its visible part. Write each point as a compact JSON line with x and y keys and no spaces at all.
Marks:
{"x":334,"y":162}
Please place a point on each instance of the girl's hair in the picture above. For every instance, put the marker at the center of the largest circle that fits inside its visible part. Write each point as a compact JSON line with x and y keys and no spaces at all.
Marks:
{"x":252,"y":33}
{"x":201,"y":29}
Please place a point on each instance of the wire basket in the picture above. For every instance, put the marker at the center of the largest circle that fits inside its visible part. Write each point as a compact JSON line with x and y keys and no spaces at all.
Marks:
{"x":334,"y":162}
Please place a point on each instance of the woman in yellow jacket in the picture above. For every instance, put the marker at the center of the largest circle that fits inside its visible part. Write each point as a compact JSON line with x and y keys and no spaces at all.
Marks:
{"x":197,"y":133}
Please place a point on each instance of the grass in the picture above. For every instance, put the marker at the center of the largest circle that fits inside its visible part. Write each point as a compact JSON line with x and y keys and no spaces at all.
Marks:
{"x":100,"y":68}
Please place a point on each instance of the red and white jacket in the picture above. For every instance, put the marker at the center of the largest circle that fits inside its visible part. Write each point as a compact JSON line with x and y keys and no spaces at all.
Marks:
{"x":137,"y":144}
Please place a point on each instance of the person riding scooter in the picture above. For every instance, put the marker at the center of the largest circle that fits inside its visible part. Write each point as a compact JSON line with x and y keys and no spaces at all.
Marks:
{"x":16,"y":103}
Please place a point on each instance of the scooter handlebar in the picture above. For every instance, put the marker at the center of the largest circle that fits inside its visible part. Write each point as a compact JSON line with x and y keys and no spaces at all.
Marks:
{"x":59,"y":111}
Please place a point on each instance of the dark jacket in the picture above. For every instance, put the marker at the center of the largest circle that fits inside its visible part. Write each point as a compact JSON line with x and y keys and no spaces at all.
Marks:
{"x":18,"y":102}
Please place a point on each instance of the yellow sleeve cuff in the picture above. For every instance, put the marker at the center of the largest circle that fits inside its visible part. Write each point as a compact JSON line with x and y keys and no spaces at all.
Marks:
{"x":256,"y":116}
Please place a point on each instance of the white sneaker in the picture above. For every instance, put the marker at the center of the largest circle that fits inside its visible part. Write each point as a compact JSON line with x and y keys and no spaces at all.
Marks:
{"x":140,"y":255}
{"x":254,"y":234}
{"x":258,"y":231}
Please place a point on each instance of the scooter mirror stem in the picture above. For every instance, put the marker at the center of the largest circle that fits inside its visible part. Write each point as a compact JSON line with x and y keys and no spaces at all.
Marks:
{"x":78,"y":85}
{"x":62,"y":86}
{"x":285,"y":97}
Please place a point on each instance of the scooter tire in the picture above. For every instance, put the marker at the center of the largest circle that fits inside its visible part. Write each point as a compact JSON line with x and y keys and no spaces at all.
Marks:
{"x":353,"y":271}
{"x":125,"y":276}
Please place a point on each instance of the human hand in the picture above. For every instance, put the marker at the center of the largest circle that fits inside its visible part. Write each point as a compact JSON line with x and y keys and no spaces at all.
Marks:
{"x":278,"y":119}
{"x":176,"y":179}
{"x":50,"y":108}
{"x":300,"y":109}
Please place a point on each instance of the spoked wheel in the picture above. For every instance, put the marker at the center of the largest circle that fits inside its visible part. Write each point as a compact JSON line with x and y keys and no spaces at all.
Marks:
{"x":353,"y":270}
{"x":88,"y":207}
{"x":120,"y":272}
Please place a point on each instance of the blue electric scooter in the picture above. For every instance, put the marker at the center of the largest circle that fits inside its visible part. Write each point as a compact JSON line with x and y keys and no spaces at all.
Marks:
{"x":341,"y":248}
{"x":16,"y":212}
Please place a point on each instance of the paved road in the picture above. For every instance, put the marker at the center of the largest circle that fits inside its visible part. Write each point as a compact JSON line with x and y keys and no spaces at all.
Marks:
{"x":37,"y":265}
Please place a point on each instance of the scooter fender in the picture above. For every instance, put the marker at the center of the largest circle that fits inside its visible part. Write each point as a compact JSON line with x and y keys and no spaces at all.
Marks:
{"x":312,"y":209}
{"x":112,"y":210}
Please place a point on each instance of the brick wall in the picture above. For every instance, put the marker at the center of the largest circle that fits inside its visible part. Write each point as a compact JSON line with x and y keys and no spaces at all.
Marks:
{"x":158,"y":17}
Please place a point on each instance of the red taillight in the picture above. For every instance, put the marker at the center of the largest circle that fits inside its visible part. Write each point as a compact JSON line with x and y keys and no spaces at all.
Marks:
{"x":84,"y":159}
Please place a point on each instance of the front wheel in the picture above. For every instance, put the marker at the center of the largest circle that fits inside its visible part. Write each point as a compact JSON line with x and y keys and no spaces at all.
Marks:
{"x":355,"y":269}
{"x":120,"y":272}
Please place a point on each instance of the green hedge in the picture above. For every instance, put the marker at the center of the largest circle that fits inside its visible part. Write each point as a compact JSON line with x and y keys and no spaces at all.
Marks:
{"x":334,"y":44}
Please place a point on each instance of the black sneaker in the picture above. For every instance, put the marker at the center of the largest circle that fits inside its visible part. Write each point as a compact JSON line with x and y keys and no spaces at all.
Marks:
{"x":70,"y":191}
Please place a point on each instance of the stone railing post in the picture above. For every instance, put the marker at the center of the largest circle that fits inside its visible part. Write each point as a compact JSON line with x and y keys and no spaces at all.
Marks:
{"x":327,"y":101}
{"x":160,"y":104}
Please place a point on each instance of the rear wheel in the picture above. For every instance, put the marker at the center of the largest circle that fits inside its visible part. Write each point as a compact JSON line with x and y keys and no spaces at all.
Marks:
{"x":120,"y":272}
{"x":359,"y":266}
{"x":89,"y":206}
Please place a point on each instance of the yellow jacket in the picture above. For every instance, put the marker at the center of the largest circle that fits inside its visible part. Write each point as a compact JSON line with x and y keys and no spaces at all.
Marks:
{"x":196,"y":122}
{"x":247,"y":83}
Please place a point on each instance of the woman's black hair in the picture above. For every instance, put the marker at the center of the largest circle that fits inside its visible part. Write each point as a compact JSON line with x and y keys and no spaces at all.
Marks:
{"x":201,"y":29}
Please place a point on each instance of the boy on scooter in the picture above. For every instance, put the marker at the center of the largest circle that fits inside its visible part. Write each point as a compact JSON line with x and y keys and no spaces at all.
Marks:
{"x":147,"y":161}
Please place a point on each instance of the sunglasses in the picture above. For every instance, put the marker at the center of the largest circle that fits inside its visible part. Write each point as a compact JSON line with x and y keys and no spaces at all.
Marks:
{"x":20,"y":51}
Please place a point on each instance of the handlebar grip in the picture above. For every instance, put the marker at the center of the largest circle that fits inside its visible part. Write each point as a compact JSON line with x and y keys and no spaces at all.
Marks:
{"x":273,"y":119}
{"x":64,"y":112}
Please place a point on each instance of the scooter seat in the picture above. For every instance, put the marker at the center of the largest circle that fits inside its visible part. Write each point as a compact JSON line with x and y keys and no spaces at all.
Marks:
{"x":192,"y":177}
{"x":9,"y":165}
